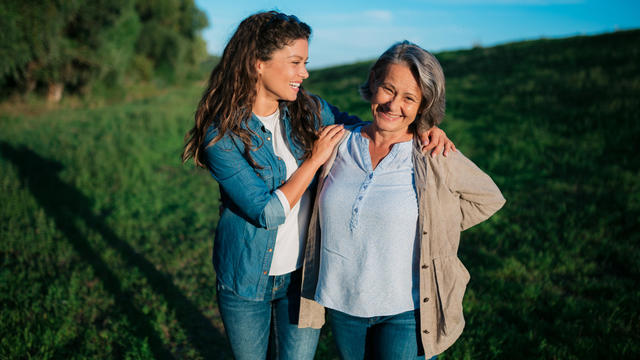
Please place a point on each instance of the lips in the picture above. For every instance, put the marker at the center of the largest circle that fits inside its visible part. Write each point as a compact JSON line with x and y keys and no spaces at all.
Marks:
{"x":295,"y":85}
{"x":389,"y":116}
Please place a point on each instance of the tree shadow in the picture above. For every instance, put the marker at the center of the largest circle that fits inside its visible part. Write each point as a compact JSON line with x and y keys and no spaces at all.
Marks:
{"x":64,"y":204}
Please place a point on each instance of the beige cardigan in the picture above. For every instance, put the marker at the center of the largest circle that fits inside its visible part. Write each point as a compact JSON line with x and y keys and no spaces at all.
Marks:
{"x":453,"y":195}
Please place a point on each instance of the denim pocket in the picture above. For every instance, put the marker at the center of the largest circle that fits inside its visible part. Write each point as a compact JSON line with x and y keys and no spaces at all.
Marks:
{"x":266,"y":174}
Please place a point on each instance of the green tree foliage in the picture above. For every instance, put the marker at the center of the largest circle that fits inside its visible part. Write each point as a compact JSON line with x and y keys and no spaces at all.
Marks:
{"x":168,"y":37}
{"x":83,"y":45}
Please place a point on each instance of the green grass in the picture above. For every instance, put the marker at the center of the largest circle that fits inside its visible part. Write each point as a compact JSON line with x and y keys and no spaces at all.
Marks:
{"x":106,"y":237}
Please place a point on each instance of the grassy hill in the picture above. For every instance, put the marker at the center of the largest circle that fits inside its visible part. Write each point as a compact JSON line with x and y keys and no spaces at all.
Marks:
{"x":106,"y":237}
{"x":555,"y":124}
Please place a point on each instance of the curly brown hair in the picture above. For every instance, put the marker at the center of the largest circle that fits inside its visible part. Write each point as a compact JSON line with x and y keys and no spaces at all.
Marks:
{"x":231,"y":92}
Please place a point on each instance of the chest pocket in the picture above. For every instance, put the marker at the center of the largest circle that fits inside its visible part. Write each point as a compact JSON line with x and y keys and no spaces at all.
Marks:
{"x":266,"y":174}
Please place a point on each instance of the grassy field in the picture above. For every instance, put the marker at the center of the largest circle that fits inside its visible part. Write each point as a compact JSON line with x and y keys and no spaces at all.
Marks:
{"x":106,"y":237}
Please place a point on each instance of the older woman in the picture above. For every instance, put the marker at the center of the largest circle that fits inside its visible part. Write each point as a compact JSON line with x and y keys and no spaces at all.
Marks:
{"x":381,"y":254}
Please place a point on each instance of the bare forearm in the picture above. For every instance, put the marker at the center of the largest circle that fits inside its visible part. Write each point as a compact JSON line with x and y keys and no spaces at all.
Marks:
{"x":302,"y":177}
{"x":299,"y":181}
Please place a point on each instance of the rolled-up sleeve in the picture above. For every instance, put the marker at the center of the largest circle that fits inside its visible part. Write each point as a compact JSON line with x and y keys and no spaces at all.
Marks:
{"x":246,"y":189}
{"x":284,"y":201}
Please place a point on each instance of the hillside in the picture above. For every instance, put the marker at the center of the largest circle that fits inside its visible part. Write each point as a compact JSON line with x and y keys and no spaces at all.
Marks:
{"x":106,"y":236}
{"x":555,"y":124}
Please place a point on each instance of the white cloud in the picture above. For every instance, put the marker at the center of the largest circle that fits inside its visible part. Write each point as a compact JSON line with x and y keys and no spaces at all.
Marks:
{"x":379,"y":15}
{"x":349,"y":44}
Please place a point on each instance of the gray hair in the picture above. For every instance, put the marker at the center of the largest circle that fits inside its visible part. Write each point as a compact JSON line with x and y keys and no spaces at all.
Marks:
{"x":429,"y":76}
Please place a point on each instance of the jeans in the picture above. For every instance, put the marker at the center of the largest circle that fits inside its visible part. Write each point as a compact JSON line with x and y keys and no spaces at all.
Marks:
{"x":378,"y":337}
{"x":257,"y":327}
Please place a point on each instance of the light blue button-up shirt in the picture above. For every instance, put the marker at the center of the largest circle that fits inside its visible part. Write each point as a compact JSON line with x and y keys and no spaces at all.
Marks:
{"x":368,"y":260}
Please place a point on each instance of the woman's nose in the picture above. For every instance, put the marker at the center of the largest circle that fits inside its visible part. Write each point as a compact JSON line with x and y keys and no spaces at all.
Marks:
{"x":393,"y":105}
{"x":304,"y":73}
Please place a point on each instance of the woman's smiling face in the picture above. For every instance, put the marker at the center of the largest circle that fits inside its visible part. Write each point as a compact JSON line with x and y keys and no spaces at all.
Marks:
{"x":396,"y":99}
{"x":280,"y":77}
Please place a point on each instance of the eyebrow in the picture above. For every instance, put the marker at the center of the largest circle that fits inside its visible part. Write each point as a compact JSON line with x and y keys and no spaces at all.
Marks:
{"x":388,"y":84}
{"x":395,"y":89}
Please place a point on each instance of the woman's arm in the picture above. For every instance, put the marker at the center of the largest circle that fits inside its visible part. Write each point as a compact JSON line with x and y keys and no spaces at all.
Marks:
{"x":479,"y":196}
{"x":433,"y":139}
{"x":332,"y":115}
{"x":240,"y":182}
{"x":298,"y":182}
{"x":247,"y":189}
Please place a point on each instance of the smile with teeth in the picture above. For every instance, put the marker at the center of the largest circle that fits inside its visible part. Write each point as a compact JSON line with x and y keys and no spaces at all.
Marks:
{"x":295,"y":85}
{"x":389,"y":116}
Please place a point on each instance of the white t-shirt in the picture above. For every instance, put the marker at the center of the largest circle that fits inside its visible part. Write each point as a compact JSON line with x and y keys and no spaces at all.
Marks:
{"x":288,"y":251}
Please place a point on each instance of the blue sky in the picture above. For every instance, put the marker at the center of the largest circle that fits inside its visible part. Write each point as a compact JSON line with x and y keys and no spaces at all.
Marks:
{"x":348,"y":31}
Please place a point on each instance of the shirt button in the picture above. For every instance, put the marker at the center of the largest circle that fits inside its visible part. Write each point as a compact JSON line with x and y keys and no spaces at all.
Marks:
{"x":425,"y":266}
{"x":355,"y":210}
{"x":281,"y":182}
{"x":426,"y":299}
{"x":424,"y":232}
{"x":425,"y":331}
{"x":264,"y":272}
{"x":279,"y":158}
{"x":370,"y":176}
{"x":269,"y":138}
{"x":270,"y":250}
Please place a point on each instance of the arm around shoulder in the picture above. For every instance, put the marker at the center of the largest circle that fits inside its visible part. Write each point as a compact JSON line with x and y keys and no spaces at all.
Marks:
{"x":332,"y":115}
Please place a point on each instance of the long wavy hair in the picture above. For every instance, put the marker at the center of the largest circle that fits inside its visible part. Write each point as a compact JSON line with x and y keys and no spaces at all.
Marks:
{"x":227,"y":102}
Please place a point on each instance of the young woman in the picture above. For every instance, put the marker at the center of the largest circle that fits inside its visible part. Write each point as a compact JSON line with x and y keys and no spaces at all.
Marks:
{"x":263,"y":137}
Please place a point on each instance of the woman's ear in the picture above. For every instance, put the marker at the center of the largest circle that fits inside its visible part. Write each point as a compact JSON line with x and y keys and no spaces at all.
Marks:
{"x":259,"y":67}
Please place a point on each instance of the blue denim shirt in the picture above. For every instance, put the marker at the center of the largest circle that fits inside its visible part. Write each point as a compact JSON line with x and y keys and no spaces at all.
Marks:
{"x":251,"y":211}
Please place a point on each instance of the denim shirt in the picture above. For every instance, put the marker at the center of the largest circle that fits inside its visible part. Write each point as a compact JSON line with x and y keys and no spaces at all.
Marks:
{"x":251,"y":211}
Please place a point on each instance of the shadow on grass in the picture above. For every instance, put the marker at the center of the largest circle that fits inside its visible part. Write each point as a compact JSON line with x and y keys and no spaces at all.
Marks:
{"x":64,"y":203}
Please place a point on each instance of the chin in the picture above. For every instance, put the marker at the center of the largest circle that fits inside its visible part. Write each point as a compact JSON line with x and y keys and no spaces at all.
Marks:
{"x":393,"y":127}
{"x":387,"y":125}
{"x":290,"y":97}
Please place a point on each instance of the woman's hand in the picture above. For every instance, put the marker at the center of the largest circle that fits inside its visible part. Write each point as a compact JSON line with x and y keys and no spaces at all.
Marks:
{"x":327,"y":140}
{"x":436,"y":139}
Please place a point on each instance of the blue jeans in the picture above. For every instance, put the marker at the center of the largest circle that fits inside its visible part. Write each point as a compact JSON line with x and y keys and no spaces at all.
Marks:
{"x":255,"y":327}
{"x":378,"y":337}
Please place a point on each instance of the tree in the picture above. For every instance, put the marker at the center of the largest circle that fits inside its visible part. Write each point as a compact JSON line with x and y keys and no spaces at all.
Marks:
{"x":77,"y":45}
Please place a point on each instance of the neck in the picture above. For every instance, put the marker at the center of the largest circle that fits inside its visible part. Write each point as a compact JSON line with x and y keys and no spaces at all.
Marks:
{"x":382,"y":138}
{"x":264,"y":105}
